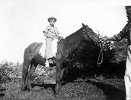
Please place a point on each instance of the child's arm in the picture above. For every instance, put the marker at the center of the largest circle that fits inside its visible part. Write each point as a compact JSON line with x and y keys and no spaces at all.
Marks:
{"x":46,"y":33}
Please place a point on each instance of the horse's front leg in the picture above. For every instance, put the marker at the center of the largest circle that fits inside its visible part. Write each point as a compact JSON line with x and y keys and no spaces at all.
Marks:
{"x":59,"y":61}
{"x":58,"y":77}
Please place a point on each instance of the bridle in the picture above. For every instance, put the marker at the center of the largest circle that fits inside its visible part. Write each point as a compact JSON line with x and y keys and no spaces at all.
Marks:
{"x":99,"y":43}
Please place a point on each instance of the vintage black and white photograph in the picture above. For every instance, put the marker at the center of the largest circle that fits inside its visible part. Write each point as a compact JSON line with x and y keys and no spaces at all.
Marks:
{"x":65,"y":50}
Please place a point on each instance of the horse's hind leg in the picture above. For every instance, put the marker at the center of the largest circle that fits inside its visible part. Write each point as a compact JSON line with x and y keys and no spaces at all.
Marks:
{"x":29,"y":75}
{"x":24,"y":74}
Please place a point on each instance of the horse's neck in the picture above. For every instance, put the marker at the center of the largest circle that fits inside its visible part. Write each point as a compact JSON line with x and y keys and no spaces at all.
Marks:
{"x":77,"y":40}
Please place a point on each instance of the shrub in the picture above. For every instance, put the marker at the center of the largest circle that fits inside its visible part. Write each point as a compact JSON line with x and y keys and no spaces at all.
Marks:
{"x":9,"y":71}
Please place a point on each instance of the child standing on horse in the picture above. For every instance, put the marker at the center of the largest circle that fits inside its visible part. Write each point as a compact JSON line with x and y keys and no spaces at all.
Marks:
{"x":51,"y":33}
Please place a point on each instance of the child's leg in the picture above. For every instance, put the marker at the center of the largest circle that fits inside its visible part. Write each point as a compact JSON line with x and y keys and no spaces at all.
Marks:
{"x":48,"y":52}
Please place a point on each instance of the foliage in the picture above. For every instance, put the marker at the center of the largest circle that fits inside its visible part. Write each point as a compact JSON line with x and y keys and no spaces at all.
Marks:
{"x":9,"y":70}
{"x":120,"y":51}
{"x":114,"y":59}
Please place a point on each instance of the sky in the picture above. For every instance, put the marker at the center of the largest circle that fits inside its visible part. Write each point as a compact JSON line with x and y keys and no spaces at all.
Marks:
{"x":23,"y":21}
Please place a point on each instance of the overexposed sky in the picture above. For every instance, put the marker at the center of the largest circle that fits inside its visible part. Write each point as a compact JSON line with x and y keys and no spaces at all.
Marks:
{"x":23,"y":21}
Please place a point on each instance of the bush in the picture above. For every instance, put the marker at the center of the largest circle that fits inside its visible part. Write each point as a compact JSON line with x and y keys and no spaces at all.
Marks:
{"x":120,"y":51}
{"x":9,"y":71}
{"x":115,"y":60}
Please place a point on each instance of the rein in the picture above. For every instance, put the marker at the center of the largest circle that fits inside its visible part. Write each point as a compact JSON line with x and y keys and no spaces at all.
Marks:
{"x":99,"y":61}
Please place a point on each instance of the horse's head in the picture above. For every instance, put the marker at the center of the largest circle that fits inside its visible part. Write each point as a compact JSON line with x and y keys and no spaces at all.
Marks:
{"x":88,"y":34}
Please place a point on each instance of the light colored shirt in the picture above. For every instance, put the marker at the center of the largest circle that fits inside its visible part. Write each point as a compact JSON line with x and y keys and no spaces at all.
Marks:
{"x":51,"y":32}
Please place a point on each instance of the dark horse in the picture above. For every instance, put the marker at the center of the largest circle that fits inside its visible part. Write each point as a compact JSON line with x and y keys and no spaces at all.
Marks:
{"x":70,"y":44}
{"x":64,"y":50}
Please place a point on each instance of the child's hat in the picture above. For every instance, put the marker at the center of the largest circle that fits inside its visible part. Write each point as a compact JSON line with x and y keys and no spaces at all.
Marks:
{"x":50,"y":18}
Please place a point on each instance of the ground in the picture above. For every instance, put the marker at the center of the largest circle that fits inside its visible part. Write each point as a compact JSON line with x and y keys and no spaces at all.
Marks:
{"x":80,"y":89}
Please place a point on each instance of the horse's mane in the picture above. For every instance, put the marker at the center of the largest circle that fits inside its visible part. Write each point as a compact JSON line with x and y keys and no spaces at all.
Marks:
{"x":76,"y":33}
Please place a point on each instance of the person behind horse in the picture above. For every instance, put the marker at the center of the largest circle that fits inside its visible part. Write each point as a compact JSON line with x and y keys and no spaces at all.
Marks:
{"x":126,"y":33}
{"x":51,"y":33}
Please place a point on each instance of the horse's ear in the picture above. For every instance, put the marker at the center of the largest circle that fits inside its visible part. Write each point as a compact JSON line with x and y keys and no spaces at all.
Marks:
{"x":83,"y":25}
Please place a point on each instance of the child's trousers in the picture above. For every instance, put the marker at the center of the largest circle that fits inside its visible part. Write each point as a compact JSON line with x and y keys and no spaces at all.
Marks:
{"x":48,"y":51}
